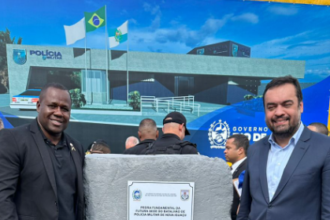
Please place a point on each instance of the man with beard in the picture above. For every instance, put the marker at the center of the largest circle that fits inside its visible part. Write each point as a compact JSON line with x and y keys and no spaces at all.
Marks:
{"x":288,"y":173}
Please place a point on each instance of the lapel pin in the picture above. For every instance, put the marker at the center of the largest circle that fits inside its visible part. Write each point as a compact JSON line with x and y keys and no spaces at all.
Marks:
{"x":72,"y":147}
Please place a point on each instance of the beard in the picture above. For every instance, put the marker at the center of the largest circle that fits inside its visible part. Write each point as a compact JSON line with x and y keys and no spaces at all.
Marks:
{"x":284,"y":131}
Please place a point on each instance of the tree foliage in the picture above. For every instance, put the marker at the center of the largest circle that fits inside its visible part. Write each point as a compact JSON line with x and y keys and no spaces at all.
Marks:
{"x":5,"y":38}
{"x":134,"y":100}
{"x":77,"y":98}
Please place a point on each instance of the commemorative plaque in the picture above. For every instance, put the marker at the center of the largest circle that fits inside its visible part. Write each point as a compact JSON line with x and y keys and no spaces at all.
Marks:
{"x":160,"y":200}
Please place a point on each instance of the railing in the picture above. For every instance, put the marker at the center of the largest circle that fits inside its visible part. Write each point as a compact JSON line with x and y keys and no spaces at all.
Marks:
{"x":178,"y":103}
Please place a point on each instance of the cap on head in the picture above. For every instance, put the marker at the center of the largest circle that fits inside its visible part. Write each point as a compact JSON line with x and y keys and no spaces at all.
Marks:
{"x":100,"y":146}
{"x":176,"y":117}
{"x":100,"y":141}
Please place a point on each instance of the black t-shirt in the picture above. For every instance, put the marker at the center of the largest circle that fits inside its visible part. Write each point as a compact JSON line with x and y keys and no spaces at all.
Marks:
{"x":65,"y":177}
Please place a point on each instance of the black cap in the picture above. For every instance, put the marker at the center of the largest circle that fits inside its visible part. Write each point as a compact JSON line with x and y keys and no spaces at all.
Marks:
{"x":176,"y":117}
{"x":100,"y":142}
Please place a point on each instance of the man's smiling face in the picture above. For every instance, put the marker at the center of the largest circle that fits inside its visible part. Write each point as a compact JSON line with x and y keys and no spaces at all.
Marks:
{"x":54,"y":111}
{"x":283,"y":112}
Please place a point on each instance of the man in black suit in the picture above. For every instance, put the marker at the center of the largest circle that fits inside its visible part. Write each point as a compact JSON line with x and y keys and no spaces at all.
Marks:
{"x":41,"y":166}
{"x":148,"y":133}
{"x":236,"y":148}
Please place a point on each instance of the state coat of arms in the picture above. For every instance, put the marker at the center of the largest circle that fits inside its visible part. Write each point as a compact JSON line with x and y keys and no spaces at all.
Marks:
{"x":218,"y":133}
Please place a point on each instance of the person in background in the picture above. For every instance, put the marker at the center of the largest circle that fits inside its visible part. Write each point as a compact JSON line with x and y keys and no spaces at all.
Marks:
{"x":171,"y":142}
{"x":130,"y":142}
{"x":235,"y":153}
{"x":318,"y":127}
{"x":148,"y":133}
{"x":99,"y":147}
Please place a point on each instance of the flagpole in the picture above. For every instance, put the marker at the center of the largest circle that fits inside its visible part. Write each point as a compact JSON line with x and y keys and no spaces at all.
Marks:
{"x":86,"y":76}
{"x":108,"y":80}
{"x":106,"y":57}
{"x":127,"y":74}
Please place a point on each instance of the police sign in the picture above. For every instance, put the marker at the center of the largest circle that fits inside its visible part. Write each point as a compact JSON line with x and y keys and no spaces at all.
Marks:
{"x":47,"y":54}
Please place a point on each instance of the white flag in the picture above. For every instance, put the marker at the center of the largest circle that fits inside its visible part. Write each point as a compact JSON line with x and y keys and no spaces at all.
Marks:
{"x":119,"y":35}
{"x":75,"y":32}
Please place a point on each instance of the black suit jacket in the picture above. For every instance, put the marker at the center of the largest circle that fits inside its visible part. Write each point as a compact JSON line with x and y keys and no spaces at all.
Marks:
{"x":27,"y":181}
{"x":236,"y":199}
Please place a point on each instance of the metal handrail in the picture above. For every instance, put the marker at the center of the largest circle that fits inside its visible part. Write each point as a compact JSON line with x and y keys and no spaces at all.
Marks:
{"x":180,"y":102}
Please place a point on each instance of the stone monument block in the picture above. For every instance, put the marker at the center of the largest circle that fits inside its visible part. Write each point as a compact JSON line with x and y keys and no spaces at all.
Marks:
{"x":107,"y":176}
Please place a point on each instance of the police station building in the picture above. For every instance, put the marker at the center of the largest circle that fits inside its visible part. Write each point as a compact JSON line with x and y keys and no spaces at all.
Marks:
{"x":211,"y":74}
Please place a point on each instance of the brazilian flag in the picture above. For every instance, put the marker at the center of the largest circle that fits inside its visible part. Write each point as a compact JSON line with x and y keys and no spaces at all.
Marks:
{"x":94,"y":20}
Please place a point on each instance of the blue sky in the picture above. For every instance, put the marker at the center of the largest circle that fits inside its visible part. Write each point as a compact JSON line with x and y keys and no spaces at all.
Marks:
{"x":272,"y":30}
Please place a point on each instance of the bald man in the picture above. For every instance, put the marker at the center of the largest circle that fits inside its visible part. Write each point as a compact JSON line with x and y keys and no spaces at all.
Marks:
{"x":147,"y":133}
{"x":131,"y":141}
{"x":319,"y":128}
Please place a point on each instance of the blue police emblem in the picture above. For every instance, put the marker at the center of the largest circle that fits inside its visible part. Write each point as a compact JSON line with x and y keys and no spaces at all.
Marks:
{"x":137,"y":194}
{"x":19,"y":56}
{"x":218,"y":133}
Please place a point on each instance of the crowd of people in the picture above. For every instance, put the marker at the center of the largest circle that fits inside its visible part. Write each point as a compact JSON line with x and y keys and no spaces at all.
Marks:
{"x":283,"y":176}
{"x":171,"y":142}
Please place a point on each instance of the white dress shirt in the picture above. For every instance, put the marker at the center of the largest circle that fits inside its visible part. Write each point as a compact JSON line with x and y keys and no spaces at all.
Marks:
{"x":235,"y":165}
{"x":278,"y":158}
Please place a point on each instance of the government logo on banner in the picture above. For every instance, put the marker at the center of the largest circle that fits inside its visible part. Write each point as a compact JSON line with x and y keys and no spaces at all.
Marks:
{"x":218,"y":133}
{"x":19,"y":56}
{"x":118,"y":35}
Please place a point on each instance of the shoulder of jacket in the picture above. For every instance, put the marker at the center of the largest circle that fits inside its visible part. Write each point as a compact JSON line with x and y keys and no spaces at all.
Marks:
{"x":74,"y":142}
{"x":16,"y":130}
{"x":187,"y":143}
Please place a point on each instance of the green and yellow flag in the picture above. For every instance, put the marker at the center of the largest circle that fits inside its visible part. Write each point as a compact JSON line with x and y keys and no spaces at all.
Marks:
{"x":94,"y":20}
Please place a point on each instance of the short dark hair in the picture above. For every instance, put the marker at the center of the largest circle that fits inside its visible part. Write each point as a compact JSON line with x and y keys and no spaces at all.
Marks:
{"x":284,"y":80}
{"x":320,"y":127}
{"x":240,"y":140}
{"x":148,"y":123}
{"x":52,"y":85}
